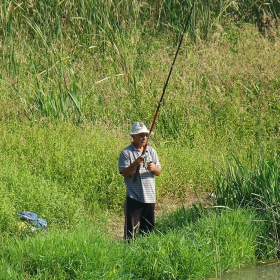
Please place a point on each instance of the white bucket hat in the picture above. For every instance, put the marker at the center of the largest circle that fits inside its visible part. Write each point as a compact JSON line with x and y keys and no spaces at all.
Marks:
{"x":138,"y":127}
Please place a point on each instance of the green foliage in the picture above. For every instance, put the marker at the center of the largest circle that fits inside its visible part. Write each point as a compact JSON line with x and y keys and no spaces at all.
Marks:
{"x":122,"y":66}
{"x":7,"y":213}
{"x":264,"y":13}
{"x":87,"y":20}
{"x":61,"y":161}
{"x":75,"y":75}
{"x":254,"y":186}
{"x":219,"y":240}
{"x":23,"y":191}
{"x":80,"y":254}
{"x":193,"y":250}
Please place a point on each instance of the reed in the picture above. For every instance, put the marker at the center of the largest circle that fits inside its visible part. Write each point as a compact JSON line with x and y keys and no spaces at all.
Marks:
{"x":254,"y":186}
{"x":86,"y":20}
{"x":55,"y":38}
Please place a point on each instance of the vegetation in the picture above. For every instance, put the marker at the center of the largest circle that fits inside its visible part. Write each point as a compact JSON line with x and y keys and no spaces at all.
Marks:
{"x":254,"y":187}
{"x":188,"y":251}
{"x":76,"y":74}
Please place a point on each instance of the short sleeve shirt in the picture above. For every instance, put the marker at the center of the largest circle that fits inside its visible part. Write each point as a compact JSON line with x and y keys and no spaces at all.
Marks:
{"x":143,"y":188}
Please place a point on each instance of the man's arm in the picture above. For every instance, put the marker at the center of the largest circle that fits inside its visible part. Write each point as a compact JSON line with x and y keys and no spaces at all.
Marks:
{"x":130,"y":170}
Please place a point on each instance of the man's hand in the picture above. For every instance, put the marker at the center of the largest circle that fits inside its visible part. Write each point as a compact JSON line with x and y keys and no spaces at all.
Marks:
{"x":130,"y":170}
{"x":138,"y":161}
{"x":153,"y":168}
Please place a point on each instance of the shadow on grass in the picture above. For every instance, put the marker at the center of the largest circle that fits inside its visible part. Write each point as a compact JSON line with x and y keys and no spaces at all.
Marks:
{"x":180,"y":218}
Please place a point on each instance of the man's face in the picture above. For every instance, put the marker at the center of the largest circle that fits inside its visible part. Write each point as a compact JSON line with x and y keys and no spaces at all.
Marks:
{"x":140,"y":139}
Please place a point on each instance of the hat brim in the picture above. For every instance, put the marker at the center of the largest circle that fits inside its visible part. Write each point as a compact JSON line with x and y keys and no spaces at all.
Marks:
{"x":135,"y":133}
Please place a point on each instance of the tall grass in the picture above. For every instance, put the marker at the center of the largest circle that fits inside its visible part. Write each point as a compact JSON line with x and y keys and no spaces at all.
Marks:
{"x":255,"y":186}
{"x":66,"y":160}
{"x":211,"y":108}
{"x":64,"y":57}
{"x":85,"y":19}
{"x":217,"y":242}
{"x":76,"y":74}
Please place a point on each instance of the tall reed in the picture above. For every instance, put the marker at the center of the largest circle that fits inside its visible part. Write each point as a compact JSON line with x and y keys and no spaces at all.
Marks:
{"x":87,"y":20}
{"x":255,"y":186}
{"x":115,"y":32}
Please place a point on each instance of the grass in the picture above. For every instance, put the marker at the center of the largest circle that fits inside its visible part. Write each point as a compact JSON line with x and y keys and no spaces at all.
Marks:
{"x":191,"y":251}
{"x":75,"y":77}
{"x":254,"y":187}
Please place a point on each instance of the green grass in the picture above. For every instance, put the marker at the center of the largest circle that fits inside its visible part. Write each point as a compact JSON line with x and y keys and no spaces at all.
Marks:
{"x":215,"y":242}
{"x":254,"y":187}
{"x":75,"y":76}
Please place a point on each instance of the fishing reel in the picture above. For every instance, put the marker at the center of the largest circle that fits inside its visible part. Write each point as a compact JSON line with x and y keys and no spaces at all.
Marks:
{"x":147,"y":160}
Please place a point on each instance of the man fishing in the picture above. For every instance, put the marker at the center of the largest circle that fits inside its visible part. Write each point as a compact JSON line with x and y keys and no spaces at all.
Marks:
{"x":139,"y":163}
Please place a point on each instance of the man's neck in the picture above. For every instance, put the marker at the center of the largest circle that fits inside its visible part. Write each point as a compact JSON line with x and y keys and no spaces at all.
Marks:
{"x":139,"y":148}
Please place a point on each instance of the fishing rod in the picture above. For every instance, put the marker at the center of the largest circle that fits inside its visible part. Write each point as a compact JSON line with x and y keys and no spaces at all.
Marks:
{"x":165,"y":86}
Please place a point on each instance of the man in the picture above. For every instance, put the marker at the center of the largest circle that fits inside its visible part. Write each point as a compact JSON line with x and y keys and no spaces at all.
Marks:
{"x":140,"y":190}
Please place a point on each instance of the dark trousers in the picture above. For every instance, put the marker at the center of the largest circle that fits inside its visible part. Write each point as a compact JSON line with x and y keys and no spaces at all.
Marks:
{"x":138,"y":215}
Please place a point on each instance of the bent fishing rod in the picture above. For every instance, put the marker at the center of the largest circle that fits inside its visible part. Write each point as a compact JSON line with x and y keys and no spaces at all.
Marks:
{"x":165,"y":86}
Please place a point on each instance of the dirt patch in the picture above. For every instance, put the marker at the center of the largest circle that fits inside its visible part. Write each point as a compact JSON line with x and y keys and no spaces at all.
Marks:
{"x":170,"y":204}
